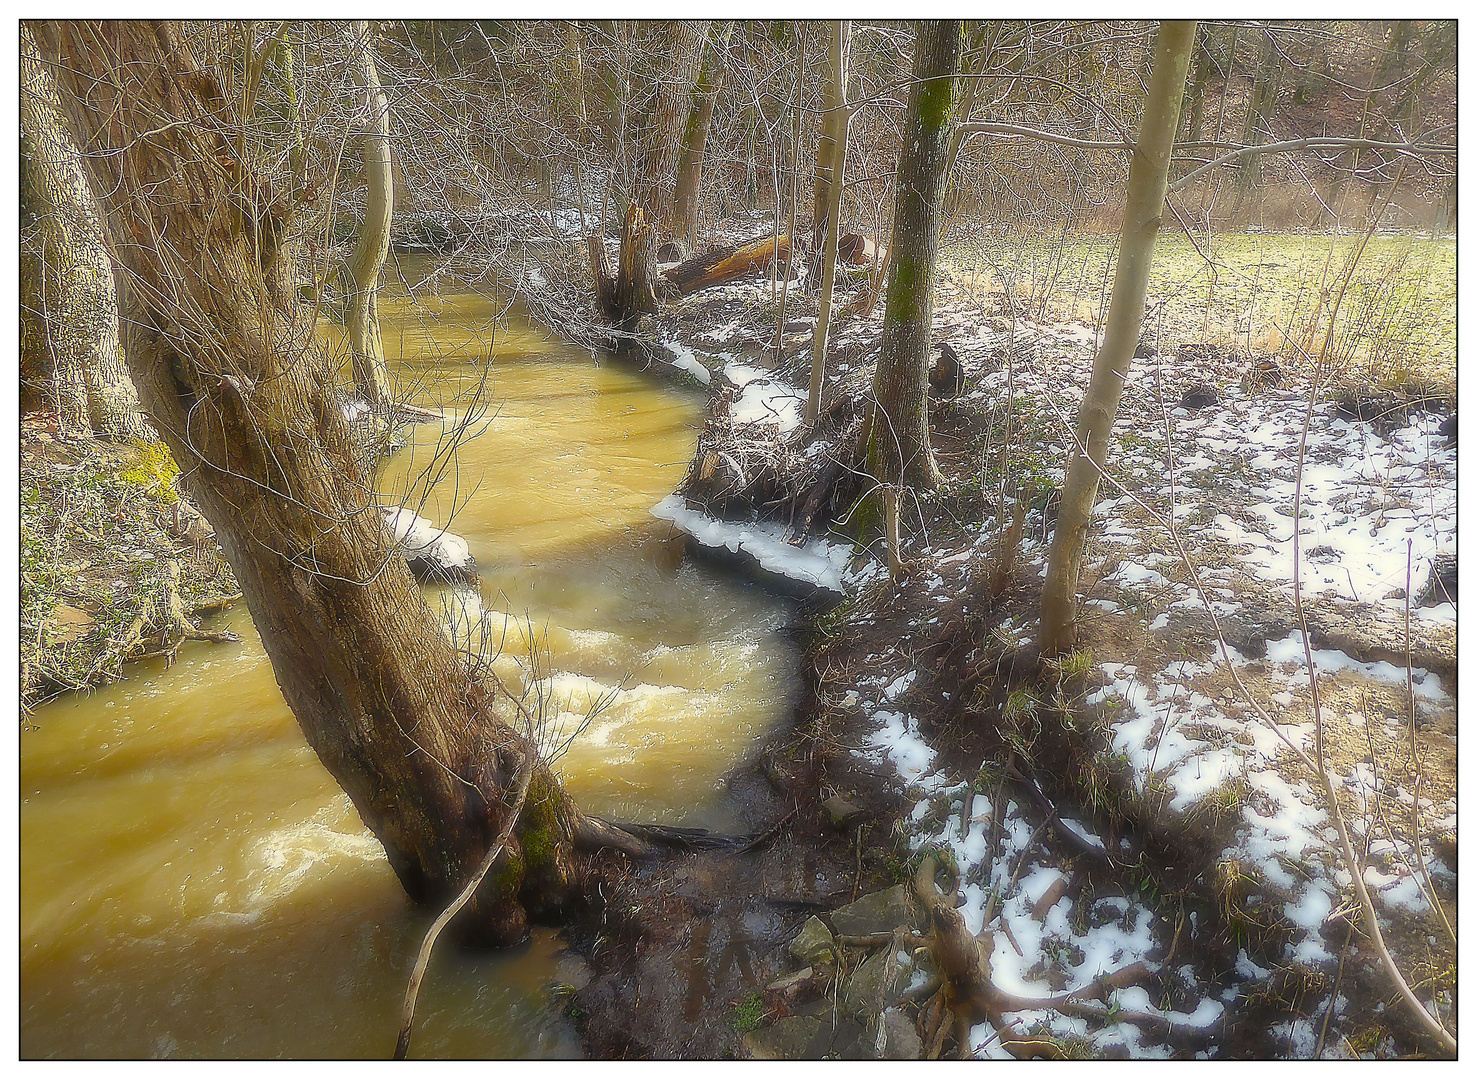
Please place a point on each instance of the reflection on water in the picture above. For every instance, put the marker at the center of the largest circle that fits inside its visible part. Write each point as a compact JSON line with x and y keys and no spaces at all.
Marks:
{"x":192,"y":880}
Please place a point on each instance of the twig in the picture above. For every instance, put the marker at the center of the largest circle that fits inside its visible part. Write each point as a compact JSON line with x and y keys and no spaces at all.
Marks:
{"x":413,"y":988}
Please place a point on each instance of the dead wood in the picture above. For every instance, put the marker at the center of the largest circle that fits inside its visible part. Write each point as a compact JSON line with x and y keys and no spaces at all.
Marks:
{"x":727,"y":264}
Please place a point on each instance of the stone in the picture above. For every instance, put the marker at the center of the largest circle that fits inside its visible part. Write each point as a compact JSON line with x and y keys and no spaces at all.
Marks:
{"x":814,"y":945}
{"x":1200,"y":396}
{"x":896,"y":1038}
{"x":785,"y":1040}
{"x":793,"y":985}
{"x":870,"y":990}
{"x":841,"y":812}
{"x":876,"y":913}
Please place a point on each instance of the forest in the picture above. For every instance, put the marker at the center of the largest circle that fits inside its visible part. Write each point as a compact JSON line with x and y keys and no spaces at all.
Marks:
{"x":737,"y":539}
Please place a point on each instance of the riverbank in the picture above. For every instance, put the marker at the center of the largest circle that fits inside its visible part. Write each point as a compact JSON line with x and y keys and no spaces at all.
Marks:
{"x":1123,"y":811}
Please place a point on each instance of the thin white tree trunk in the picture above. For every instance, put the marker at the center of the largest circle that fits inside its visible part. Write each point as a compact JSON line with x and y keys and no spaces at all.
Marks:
{"x":371,"y":376}
{"x":1148,"y":176}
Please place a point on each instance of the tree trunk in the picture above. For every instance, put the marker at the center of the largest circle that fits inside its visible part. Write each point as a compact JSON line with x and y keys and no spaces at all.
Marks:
{"x":695,"y":140}
{"x":898,"y":450}
{"x":1260,"y":106}
{"x":371,"y":376}
{"x":73,"y":314}
{"x":727,"y":264}
{"x":1148,"y":176}
{"x":833,"y":146}
{"x":227,"y":363}
{"x":662,"y":77}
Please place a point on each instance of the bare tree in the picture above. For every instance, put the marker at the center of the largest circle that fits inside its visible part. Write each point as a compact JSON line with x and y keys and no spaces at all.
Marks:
{"x":687,"y":196}
{"x":371,"y":377}
{"x":1148,"y":176}
{"x":229,"y":367}
{"x":73,"y":315}
{"x":898,"y":447}
{"x":830,"y":176}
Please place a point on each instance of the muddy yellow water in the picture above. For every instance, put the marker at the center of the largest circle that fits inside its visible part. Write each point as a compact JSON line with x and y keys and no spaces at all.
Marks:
{"x":193,"y":883}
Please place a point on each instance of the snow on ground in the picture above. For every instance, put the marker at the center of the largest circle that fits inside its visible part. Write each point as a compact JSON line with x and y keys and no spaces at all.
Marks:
{"x":684,"y":359}
{"x":818,"y":562}
{"x":764,"y":400}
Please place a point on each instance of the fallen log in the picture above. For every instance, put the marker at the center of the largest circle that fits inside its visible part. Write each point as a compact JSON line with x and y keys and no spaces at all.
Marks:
{"x":727,"y":264}
{"x":854,"y":249}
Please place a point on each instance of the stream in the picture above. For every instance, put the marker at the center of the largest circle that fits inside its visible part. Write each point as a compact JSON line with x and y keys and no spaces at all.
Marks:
{"x":194,"y":883}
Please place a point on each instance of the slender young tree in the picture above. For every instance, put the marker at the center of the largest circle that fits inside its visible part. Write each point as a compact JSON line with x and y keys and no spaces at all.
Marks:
{"x":898,"y":448}
{"x":695,"y":137}
{"x":71,"y":319}
{"x":830,"y":174}
{"x":1148,"y":176}
{"x":371,"y":376}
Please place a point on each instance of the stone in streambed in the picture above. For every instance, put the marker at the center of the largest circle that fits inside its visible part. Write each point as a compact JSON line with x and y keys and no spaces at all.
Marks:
{"x":784,"y":1040}
{"x":814,"y":945}
{"x":876,"y":913}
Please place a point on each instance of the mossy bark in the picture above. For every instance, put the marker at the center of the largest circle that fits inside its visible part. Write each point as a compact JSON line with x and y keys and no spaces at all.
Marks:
{"x":695,"y":138}
{"x":70,"y":303}
{"x":898,"y":448}
{"x":1148,"y":176}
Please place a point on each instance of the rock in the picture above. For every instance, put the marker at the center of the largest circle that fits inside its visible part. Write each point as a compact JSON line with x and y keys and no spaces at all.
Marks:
{"x":896,"y":1038}
{"x":68,"y":623}
{"x":814,"y":945}
{"x":673,"y":251}
{"x":946,"y":376}
{"x":870,"y":990}
{"x":841,"y":812}
{"x":1145,"y":351}
{"x":1440,"y":587}
{"x":1200,"y":396}
{"x":433,"y":554}
{"x":875,"y":913}
{"x":793,"y":985}
{"x":785,"y":1040}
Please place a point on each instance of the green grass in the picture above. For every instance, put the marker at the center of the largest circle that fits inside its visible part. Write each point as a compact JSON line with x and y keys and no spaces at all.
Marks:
{"x":1260,"y":294}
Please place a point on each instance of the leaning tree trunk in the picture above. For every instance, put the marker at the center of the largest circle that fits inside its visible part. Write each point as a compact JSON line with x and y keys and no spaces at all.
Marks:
{"x":73,"y":315}
{"x":830,"y":160}
{"x":371,"y":376}
{"x":1148,"y":176}
{"x":695,"y":140}
{"x":228,"y":365}
{"x":898,"y":449}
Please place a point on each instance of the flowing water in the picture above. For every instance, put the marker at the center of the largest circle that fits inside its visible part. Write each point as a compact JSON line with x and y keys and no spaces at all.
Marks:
{"x":193,"y":882}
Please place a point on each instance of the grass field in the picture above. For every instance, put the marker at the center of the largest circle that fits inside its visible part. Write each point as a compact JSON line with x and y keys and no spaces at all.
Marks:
{"x":1260,"y":294}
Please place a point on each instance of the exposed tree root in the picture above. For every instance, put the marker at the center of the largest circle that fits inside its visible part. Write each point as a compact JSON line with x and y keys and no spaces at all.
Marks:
{"x":971,"y":997}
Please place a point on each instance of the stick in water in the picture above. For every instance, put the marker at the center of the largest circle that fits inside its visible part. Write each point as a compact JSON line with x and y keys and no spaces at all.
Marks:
{"x":407,"y":1011}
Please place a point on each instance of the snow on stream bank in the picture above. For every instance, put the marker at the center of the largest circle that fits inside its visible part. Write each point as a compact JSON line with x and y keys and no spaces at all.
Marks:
{"x":818,"y":562}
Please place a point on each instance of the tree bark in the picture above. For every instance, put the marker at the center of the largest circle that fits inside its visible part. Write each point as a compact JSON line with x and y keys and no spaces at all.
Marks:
{"x":1148,"y":175}
{"x":73,"y":314}
{"x":371,"y":376}
{"x":662,"y":78}
{"x":898,"y":450}
{"x":695,"y":139}
{"x":229,"y":367}
{"x":833,"y":147}
{"x":1260,"y":105}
